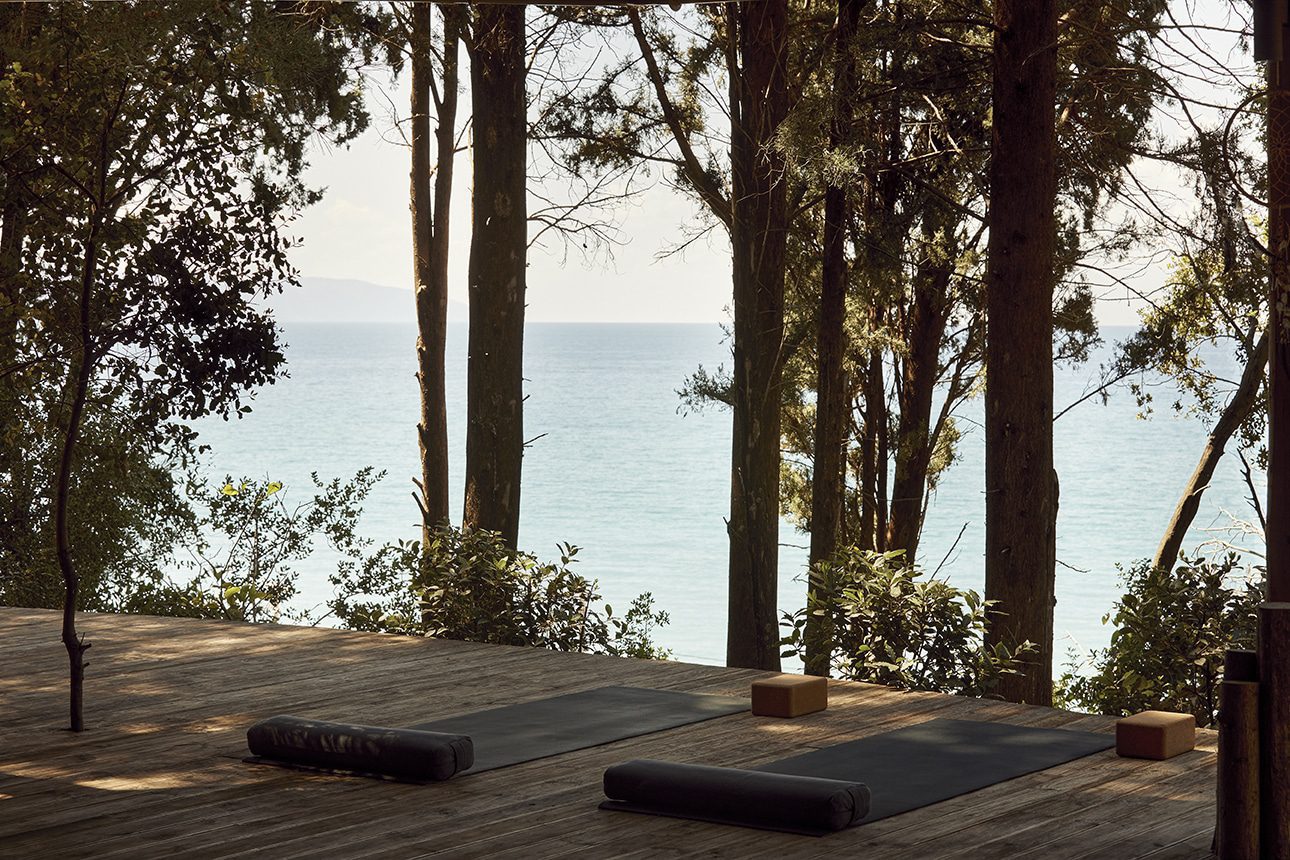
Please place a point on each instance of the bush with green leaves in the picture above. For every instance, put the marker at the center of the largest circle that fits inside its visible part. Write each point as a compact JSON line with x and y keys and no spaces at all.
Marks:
{"x":469,"y":585}
{"x":887,"y":624}
{"x":247,"y":544}
{"x":1171,"y":631}
{"x":127,"y":516}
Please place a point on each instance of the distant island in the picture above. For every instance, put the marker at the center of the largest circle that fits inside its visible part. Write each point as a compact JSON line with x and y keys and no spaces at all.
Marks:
{"x":335,"y":300}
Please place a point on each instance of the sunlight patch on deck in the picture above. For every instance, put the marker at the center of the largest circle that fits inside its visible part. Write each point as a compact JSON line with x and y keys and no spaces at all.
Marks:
{"x":144,"y":782}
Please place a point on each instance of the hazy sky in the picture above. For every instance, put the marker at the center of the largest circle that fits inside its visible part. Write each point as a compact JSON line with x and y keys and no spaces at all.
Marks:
{"x":361,"y":230}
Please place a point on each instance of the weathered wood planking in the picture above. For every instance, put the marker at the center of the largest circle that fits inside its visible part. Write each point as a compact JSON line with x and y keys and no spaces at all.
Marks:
{"x":158,"y":772}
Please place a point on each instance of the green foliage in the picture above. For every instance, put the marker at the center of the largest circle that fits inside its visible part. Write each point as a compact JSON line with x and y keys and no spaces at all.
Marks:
{"x":470,"y":585}
{"x":1171,"y":630}
{"x":914,"y":163}
{"x":151,"y":156}
{"x":889,"y":625}
{"x":165,"y":144}
{"x":127,"y":514}
{"x":249,"y":576}
{"x":1216,"y":295}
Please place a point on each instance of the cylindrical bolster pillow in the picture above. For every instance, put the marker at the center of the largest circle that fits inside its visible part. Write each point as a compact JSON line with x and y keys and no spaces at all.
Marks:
{"x":748,"y":797}
{"x":402,"y":753}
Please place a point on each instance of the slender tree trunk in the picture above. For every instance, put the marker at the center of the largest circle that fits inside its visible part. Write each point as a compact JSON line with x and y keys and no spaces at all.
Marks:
{"x":866,"y":480}
{"x":1020,"y":508}
{"x":871,"y":532}
{"x":454,"y":26}
{"x":498,"y":254}
{"x":1238,"y":408}
{"x":78,"y":385}
{"x":758,"y":242}
{"x":828,"y":472}
{"x":430,"y":250}
{"x":915,"y":441}
{"x":876,"y":394}
{"x":432,"y":432}
{"x":690,"y":164}
{"x":827,"y":478}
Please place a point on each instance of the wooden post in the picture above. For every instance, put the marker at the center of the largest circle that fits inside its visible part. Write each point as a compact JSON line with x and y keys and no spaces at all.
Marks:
{"x":1278,"y":138}
{"x":1240,"y":665}
{"x":1274,"y":728}
{"x":1271,"y":18}
{"x":1238,"y":771}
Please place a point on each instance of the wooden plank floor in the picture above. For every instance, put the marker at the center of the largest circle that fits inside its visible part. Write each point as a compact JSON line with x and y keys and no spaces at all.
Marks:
{"x":158,"y":771}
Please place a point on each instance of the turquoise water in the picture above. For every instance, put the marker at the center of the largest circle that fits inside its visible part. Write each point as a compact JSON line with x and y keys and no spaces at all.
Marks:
{"x":644,"y":490}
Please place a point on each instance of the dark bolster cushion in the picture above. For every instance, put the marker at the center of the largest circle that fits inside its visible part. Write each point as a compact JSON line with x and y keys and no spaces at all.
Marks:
{"x":752,"y":798}
{"x":401,"y":753}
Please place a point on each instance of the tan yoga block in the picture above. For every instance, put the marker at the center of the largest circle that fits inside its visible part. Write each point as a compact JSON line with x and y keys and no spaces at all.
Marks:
{"x":789,"y":695}
{"x":1155,"y":735}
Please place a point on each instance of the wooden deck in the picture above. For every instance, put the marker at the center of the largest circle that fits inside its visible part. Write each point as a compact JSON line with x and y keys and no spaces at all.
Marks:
{"x":158,"y":771}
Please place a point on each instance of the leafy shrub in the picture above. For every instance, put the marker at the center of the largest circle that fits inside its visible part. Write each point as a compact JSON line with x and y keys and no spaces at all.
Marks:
{"x":888,"y":625}
{"x":127,"y":512}
{"x":249,"y":576}
{"x":470,"y":585}
{"x":1171,"y":630}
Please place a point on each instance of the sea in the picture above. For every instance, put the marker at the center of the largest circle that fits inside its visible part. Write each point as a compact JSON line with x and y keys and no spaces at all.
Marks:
{"x":618,"y":468}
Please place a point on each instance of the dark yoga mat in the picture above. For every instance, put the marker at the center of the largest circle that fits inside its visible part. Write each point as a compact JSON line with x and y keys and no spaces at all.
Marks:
{"x":903,"y":770}
{"x":532,"y":730}
{"x":934,"y":761}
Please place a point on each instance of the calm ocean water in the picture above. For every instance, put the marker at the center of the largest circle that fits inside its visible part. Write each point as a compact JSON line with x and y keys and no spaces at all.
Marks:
{"x":644,"y":490}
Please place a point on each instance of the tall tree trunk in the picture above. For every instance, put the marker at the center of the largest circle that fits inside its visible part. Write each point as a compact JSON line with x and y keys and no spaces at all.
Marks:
{"x":78,"y":385}
{"x":430,"y":250}
{"x":1238,"y":408}
{"x":1020,"y":508}
{"x":828,"y":472}
{"x":876,"y":413}
{"x":758,"y":244}
{"x":915,"y":441}
{"x":432,"y":434}
{"x":867,"y":532}
{"x":498,"y":254}
{"x":866,"y":478}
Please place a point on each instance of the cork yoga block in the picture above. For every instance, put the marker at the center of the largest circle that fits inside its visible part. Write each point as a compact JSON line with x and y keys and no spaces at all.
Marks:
{"x":789,"y":695}
{"x":1155,"y":735}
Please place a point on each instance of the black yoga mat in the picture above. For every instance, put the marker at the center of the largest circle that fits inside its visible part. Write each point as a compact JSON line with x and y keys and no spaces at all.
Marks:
{"x":924,"y":764}
{"x":903,"y":770}
{"x":546,"y":727}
